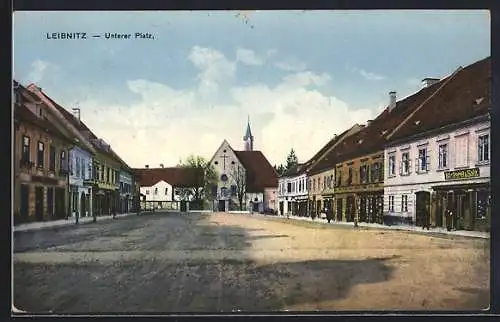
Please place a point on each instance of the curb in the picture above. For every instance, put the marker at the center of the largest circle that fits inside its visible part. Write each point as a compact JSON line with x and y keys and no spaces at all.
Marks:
{"x":385,"y":228}
{"x":70,"y":222}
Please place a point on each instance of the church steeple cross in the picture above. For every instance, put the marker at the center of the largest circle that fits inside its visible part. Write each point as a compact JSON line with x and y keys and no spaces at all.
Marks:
{"x":224,"y":157}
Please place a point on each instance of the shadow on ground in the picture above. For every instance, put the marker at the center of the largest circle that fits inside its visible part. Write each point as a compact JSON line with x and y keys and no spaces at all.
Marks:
{"x":222,"y":277}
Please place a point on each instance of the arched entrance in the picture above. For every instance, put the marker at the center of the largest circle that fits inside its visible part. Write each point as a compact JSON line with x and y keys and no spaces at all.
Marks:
{"x":83,"y":205}
{"x":422,"y":207}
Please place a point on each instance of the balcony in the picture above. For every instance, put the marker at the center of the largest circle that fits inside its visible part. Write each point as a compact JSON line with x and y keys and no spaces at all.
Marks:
{"x":26,"y":164}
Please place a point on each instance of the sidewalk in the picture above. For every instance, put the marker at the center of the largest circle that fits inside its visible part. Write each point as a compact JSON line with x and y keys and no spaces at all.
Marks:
{"x":64,"y":222}
{"x":465,"y":233}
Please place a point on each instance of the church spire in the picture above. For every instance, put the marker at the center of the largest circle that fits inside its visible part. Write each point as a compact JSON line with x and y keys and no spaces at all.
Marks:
{"x":248,"y":138}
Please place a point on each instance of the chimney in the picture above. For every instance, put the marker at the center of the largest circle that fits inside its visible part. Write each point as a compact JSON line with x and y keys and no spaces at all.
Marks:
{"x":147,"y":166}
{"x":392,"y":100}
{"x":426,"y":82}
{"x":369,"y":122}
{"x":76,"y":113}
{"x":161,"y":165}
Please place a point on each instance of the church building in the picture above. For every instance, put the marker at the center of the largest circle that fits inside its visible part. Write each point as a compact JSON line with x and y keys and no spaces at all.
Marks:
{"x":246,"y":179}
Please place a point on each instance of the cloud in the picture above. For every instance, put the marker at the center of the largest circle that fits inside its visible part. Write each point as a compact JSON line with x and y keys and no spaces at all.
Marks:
{"x":366,"y":75}
{"x":167,"y":124}
{"x":38,"y":68}
{"x":291,"y":65}
{"x":248,"y":57}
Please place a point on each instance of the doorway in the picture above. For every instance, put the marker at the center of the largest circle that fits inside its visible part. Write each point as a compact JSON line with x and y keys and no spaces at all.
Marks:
{"x":281,"y":208}
{"x":350,"y":209}
{"x":50,"y":202}
{"x":39,"y":203}
{"x":363,"y":205}
{"x":339,"y":209}
{"x":83,"y":205}
{"x":422,"y":206}
{"x":222,"y":205}
{"x":24,"y":200}
{"x":462,"y":206}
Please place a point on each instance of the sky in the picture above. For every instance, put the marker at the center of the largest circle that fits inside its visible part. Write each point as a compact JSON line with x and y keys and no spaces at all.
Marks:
{"x":300,"y":76}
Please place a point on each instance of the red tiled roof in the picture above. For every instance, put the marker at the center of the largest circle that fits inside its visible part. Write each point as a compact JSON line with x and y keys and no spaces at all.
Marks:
{"x":23,"y":114}
{"x":372,"y":138}
{"x":177,"y":177}
{"x":259,"y":172}
{"x":82,"y":127}
{"x":464,"y":97}
{"x":329,"y":160}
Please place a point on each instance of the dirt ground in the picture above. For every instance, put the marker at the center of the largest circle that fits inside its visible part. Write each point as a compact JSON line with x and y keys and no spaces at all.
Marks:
{"x":233,"y":262}
{"x":418,"y":272}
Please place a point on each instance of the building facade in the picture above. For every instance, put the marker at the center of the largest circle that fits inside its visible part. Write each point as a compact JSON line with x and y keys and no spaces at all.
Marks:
{"x":438,"y":162}
{"x":293,"y":193}
{"x":126,"y":191}
{"x":80,"y":171}
{"x":40,"y":162}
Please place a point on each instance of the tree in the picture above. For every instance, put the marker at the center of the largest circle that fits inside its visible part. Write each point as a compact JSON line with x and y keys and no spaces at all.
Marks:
{"x":238,"y":175}
{"x":280,"y":169}
{"x":206,"y":177}
{"x":291,"y":160}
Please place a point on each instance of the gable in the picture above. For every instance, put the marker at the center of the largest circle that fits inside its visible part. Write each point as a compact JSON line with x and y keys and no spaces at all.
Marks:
{"x":222,"y":161}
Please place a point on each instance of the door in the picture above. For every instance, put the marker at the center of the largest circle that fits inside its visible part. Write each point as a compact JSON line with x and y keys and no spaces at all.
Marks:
{"x":422,"y":208}
{"x":39,"y":203}
{"x":24,"y":200}
{"x":222,"y":205}
{"x":83,"y":205}
{"x":362,"y":209}
{"x":339,"y":209}
{"x":50,"y":202}
{"x":350,"y":209}
{"x":281,"y":207}
{"x":463,"y":211}
{"x":60,"y":209}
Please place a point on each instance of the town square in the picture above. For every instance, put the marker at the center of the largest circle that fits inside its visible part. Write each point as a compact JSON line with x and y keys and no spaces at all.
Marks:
{"x":251,"y":173}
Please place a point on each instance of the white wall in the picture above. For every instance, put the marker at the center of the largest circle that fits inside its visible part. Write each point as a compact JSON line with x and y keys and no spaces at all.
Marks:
{"x":298,"y":191}
{"x":399,"y":185}
{"x":149,"y":192}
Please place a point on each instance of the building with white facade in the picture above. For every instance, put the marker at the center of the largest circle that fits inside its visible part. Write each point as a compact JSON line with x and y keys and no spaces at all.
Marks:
{"x":292,"y":192}
{"x":80,"y":171}
{"x":438,"y":160}
{"x":245,"y":176}
{"x":167,"y":187}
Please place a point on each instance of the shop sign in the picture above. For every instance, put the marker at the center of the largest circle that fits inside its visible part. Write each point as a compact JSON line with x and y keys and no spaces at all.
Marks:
{"x":461,"y":174}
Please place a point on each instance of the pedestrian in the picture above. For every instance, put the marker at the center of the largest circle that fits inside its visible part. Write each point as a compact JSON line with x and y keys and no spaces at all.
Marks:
{"x":426,"y":220}
{"x":449,"y":218}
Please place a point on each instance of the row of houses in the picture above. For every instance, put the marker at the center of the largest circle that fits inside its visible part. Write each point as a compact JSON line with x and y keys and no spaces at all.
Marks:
{"x":424,"y":160}
{"x":61,"y":168}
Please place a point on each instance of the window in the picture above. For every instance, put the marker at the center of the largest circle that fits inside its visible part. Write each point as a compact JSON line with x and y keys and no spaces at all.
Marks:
{"x":166,"y":191}
{"x":82,"y":168}
{"x":443,"y":156}
{"x":147,"y":192}
{"x":349,"y":179}
{"x":461,"y":151}
{"x":233,"y":190}
{"x":122,"y":187}
{"x":289,"y":187}
{"x":423,"y":160}
{"x":319,"y":183}
{"x":392,"y":165}
{"x":102,"y":172}
{"x":331,"y":181}
{"x":77,"y":167}
{"x":405,"y":163}
{"x":156,"y":191}
{"x":363,"y":173}
{"x":108,"y":175}
{"x":314,"y":184}
{"x":40,"y":154}
{"x":391,"y":203}
{"x":483,"y":148}
{"x":62,"y":161}
{"x":52,"y":158}
{"x":339,"y":178}
{"x":483,"y":204}
{"x":25,"y":157}
{"x":404,"y":203}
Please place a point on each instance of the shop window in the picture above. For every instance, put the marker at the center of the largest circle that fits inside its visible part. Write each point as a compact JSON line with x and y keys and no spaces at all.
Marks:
{"x":404,"y":203}
{"x":483,"y":204}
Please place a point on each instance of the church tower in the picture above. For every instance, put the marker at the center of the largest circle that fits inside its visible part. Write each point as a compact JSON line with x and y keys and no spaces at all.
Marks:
{"x":248,"y":138}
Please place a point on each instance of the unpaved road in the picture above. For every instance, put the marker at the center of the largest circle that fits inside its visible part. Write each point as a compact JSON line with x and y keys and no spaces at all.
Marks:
{"x":227,"y":262}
